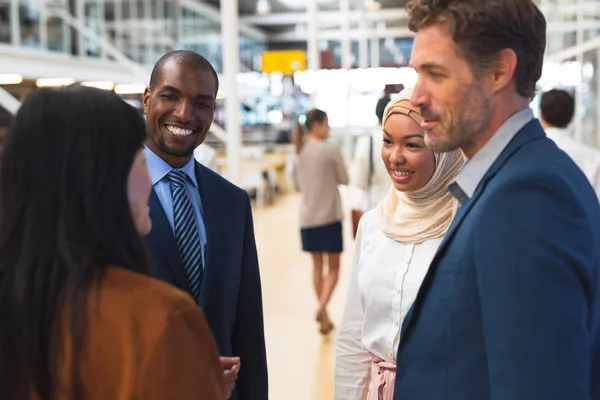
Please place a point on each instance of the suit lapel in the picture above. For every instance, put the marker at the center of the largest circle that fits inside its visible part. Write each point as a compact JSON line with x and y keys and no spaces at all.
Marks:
{"x":458,"y":218}
{"x":211,"y":214}
{"x":162,"y":237}
{"x":529,"y":132}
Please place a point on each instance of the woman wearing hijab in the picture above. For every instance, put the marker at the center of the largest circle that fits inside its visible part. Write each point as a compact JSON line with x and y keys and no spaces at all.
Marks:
{"x":395,"y":244}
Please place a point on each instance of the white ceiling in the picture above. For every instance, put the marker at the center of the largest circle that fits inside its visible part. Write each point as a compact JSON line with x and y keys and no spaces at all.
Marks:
{"x":296,"y":5}
{"x":249,"y":6}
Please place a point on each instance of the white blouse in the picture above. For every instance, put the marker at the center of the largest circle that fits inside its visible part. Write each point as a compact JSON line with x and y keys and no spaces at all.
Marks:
{"x":385,"y":279}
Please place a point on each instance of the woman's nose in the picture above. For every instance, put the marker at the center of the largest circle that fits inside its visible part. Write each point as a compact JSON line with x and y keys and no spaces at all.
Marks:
{"x":397,"y":157}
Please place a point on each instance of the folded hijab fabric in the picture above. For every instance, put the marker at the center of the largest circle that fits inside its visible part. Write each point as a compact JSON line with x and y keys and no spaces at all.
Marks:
{"x":427,"y":212}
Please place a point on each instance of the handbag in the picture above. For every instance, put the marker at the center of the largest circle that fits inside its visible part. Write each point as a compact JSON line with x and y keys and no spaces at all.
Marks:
{"x":356,"y":214}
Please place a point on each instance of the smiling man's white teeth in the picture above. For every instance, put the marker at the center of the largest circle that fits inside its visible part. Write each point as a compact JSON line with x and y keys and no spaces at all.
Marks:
{"x":179,"y":131}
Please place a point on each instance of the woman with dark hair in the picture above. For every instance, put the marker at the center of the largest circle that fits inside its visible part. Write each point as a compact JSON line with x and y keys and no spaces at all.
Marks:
{"x":319,"y":169}
{"x":80,"y":318}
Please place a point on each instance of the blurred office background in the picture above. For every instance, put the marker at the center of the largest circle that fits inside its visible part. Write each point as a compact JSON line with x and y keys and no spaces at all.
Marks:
{"x":276,"y":59}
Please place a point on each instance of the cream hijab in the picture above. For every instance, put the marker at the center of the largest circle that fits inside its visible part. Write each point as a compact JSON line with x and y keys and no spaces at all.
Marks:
{"x":427,"y":212}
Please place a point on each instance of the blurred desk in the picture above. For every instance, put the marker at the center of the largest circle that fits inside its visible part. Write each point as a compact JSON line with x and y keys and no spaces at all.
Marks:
{"x":264,"y":175}
{"x":277,"y":160}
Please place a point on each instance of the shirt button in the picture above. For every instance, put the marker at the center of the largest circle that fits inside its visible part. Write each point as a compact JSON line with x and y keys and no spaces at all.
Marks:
{"x":396,"y":323}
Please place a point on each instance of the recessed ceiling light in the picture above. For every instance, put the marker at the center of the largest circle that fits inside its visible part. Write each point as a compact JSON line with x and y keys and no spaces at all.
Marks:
{"x":372,"y":5}
{"x":10,"y":79}
{"x":105,"y":85}
{"x":130,"y":88}
{"x":263,"y":7}
{"x":49,"y":82}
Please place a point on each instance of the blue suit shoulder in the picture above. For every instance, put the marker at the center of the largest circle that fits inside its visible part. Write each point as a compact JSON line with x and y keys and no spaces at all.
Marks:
{"x":545,"y":178}
{"x":220,"y":183}
{"x":542,"y":165}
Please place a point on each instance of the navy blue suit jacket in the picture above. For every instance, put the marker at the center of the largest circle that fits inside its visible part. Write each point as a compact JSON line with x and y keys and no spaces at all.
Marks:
{"x":510,"y":307}
{"x":231,"y":291}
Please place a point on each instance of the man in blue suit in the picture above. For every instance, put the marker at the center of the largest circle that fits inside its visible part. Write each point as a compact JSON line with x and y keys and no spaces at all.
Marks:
{"x":202,"y":237}
{"x":510,"y":306}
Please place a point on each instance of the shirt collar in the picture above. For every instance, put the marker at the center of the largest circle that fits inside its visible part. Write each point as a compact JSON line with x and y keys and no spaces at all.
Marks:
{"x":471,"y":174}
{"x":158,"y":168}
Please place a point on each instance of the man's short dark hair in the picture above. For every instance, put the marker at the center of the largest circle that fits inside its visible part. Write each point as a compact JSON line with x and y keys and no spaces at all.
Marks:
{"x":380,"y":108}
{"x":482,"y":28}
{"x":182,"y":57}
{"x":557,"y":108}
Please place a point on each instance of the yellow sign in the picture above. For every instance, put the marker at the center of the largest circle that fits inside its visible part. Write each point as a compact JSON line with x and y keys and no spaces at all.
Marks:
{"x":287,"y":61}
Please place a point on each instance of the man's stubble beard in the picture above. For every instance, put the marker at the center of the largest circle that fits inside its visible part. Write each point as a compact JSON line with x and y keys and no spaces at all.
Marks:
{"x":464,"y":130}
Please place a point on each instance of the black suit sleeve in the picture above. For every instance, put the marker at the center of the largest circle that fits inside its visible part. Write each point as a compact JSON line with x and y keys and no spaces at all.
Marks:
{"x":248,"y":337}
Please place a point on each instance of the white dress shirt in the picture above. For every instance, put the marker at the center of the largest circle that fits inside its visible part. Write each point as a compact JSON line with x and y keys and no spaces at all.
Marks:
{"x":469,"y":177}
{"x":586,"y":157}
{"x":385,"y":279}
{"x":158,"y":170}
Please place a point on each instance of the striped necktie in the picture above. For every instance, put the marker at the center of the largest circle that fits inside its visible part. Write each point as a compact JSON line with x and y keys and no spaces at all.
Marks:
{"x":186,"y":232}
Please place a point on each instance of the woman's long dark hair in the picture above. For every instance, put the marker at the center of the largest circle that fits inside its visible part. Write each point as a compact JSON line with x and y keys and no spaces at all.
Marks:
{"x":64,"y":217}
{"x":303,"y":128}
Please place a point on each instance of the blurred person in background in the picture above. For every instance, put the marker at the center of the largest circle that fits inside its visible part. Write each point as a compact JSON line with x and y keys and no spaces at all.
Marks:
{"x":202,"y":240}
{"x":318,"y":170}
{"x":394,"y":247}
{"x":81,"y":318}
{"x":557,"y":109}
{"x":367,"y":172}
{"x":284,"y":129}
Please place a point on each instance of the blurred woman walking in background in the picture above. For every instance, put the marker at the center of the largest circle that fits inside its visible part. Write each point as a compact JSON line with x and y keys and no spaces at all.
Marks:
{"x":318,"y":170}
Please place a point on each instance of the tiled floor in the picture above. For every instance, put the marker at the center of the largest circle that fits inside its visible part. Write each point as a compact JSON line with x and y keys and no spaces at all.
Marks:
{"x":301,"y":361}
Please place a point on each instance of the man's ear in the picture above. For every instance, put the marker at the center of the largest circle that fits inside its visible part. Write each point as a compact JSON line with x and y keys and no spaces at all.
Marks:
{"x":146,"y":98}
{"x":504,"y":69}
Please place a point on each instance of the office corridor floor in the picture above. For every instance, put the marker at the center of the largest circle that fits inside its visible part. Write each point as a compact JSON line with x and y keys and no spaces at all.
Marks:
{"x":301,"y":361}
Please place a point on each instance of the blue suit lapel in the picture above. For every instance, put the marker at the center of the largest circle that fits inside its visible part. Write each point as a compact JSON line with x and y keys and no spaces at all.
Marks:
{"x":161,"y":236}
{"x":532,"y":131}
{"x":212,"y":222}
{"x":458,"y":218}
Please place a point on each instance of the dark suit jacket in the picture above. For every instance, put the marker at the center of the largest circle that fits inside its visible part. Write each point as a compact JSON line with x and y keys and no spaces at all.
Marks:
{"x":231,"y":292}
{"x":510,"y":307}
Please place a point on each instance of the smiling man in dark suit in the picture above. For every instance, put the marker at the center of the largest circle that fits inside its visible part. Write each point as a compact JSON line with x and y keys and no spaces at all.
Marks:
{"x":510,"y":306}
{"x":202,"y":239}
